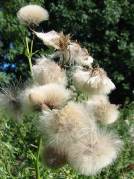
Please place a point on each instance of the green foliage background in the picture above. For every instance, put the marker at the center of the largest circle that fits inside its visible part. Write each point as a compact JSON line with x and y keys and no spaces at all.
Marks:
{"x":105,"y":27}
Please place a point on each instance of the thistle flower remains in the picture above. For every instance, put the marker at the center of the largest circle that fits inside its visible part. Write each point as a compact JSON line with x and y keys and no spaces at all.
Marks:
{"x":93,"y":81}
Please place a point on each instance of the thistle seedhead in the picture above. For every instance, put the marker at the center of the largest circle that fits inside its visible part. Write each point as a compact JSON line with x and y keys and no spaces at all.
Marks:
{"x":102,"y":109}
{"x":32,"y":15}
{"x":93,"y":81}
{"x":94,"y":152}
{"x":47,"y":71}
{"x":74,"y":54}
{"x":54,"y":39}
{"x":51,"y":96}
{"x":66,"y":126}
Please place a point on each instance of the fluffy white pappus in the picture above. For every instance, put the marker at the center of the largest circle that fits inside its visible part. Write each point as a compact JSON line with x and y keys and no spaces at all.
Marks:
{"x":32,"y":15}
{"x":54,"y":39}
{"x":75,"y":54}
{"x":50,"y":96}
{"x":94,"y":152}
{"x":50,"y":39}
{"x":102,"y":109}
{"x":80,"y":55}
{"x":71,"y":53}
{"x":46,"y":71}
{"x":66,"y":126}
{"x":93,"y":81}
{"x":80,"y":79}
{"x":42,"y":60}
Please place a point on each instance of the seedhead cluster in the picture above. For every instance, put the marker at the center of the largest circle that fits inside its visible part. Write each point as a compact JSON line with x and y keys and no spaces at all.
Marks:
{"x":71,"y":128}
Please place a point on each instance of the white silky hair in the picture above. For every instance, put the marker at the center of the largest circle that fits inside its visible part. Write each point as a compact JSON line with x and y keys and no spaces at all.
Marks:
{"x":94,"y":152}
{"x":50,"y":95}
{"x":47,"y":71}
{"x":50,"y":39}
{"x":88,"y":149}
{"x":79,"y":55}
{"x":32,"y":15}
{"x":102,"y":109}
{"x":73,"y":53}
{"x":66,"y":126}
{"x":97,"y":83}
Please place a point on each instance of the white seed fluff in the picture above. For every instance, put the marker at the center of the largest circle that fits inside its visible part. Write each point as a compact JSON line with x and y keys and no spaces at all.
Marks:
{"x":32,"y":15}
{"x":51,"y":96}
{"x":54,"y":39}
{"x":50,"y":39}
{"x":66,"y":126}
{"x":93,"y":81}
{"x":94,"y":152}
{"x":102,"y":109}
{"x":74,"y":54}
{"x":79,"y":55}
{"x":46,"y":71}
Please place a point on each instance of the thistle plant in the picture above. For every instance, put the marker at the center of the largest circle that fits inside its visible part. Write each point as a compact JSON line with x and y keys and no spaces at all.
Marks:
{"x":70,"y":127}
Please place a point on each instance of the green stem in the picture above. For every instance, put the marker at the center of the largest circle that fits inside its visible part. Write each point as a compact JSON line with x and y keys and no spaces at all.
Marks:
{"x":37,"y":160}
{"x":29,"y":53}
{"x":30,"y":65}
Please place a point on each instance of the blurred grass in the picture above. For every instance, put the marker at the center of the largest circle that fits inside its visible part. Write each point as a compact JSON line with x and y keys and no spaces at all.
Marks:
{"x":19,"y":142}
